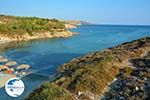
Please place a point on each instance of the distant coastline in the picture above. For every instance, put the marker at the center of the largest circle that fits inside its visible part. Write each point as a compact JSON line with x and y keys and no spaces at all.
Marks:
{"x":123,"y":25}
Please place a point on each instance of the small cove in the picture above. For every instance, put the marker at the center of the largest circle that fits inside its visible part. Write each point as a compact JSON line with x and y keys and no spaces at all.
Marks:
{"x":47,"y":55}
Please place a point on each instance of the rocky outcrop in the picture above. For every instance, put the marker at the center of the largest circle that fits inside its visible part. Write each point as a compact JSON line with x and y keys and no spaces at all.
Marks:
{"x":23,"y":66}
{"x":11,"y":68}
{"x":88,"y":77}
{"x":70,"y":26}
{"x":11,"y":63}
{"x":133,"y":83}
{"x":36,"y":35}
{"x":13,"y":28}
{"x":2,"y":59}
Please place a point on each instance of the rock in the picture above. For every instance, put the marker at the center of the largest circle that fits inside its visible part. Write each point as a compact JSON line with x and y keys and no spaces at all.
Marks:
{"x":11,"y":63}
{"x":1,"y":57}
{"x":70,"y":26}
{"x":79,"y":93}
{"x":136,"y":88}
{"x":136,"y":85}
{"x":3,"y":60}
{"x":23,"y":66}
{"x":121,"y":98}
{"x":2,"y":67}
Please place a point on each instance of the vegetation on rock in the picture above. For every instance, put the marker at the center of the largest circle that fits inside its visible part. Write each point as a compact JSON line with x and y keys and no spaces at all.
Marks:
{"x":27,"y":28}
{"x":50,"y":92}
{"x":11,"y":25}
{"x":132,"y":86}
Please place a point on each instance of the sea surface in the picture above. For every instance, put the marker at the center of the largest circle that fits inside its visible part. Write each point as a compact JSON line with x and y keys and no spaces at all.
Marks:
{"x":45,"y":56}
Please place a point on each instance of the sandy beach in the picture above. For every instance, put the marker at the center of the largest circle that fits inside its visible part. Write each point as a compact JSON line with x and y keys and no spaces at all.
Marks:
{"x":4,"y":78}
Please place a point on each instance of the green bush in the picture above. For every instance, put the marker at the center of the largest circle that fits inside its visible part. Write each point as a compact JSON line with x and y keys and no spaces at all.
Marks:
{"x":50,"y":91}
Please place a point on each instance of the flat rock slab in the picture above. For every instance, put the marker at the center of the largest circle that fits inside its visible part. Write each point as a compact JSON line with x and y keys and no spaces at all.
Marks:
{"x":23,"y":66}
{"x":4,"y":78}
{"x":2,"y":60}
{"x":11,"y":63}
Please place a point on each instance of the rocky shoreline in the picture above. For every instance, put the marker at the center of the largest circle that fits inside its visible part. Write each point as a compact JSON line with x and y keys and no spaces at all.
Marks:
{"x":43,"y":35}
{"x":10,"y":69}
{"x":15,"y":28}
{"x":89,"y":77}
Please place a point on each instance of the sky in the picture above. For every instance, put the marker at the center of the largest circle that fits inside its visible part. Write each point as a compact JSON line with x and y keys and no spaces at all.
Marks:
{"x":125,"y":12}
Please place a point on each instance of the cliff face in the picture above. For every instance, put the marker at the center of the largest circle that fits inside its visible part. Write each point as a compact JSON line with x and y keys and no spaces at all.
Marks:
{"x":37,"y":35}
{"x":88,"y":77}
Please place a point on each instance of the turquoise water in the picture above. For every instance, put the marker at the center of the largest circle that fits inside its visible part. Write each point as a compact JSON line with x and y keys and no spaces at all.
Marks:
{"x":44,"y":56}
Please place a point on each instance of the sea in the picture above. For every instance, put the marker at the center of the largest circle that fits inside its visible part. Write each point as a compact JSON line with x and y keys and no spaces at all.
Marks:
{"x":46,"y":55}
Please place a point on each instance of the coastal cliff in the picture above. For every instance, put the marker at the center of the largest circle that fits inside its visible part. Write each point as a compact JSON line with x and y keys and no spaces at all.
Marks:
{"x":37,"y":35}
{"x":14,"y":28}
{"x":91,"y":77}
{"x":75,"y":23}
{"x":72,"y":24}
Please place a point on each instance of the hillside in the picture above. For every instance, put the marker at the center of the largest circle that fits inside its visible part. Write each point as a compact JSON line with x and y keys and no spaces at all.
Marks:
{"x":89,"y":77}
{"x":26,"y":28}
{"x":75,"y":23}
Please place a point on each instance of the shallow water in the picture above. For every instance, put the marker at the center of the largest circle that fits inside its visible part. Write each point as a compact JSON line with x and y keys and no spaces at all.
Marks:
{"x":45,"y":56}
